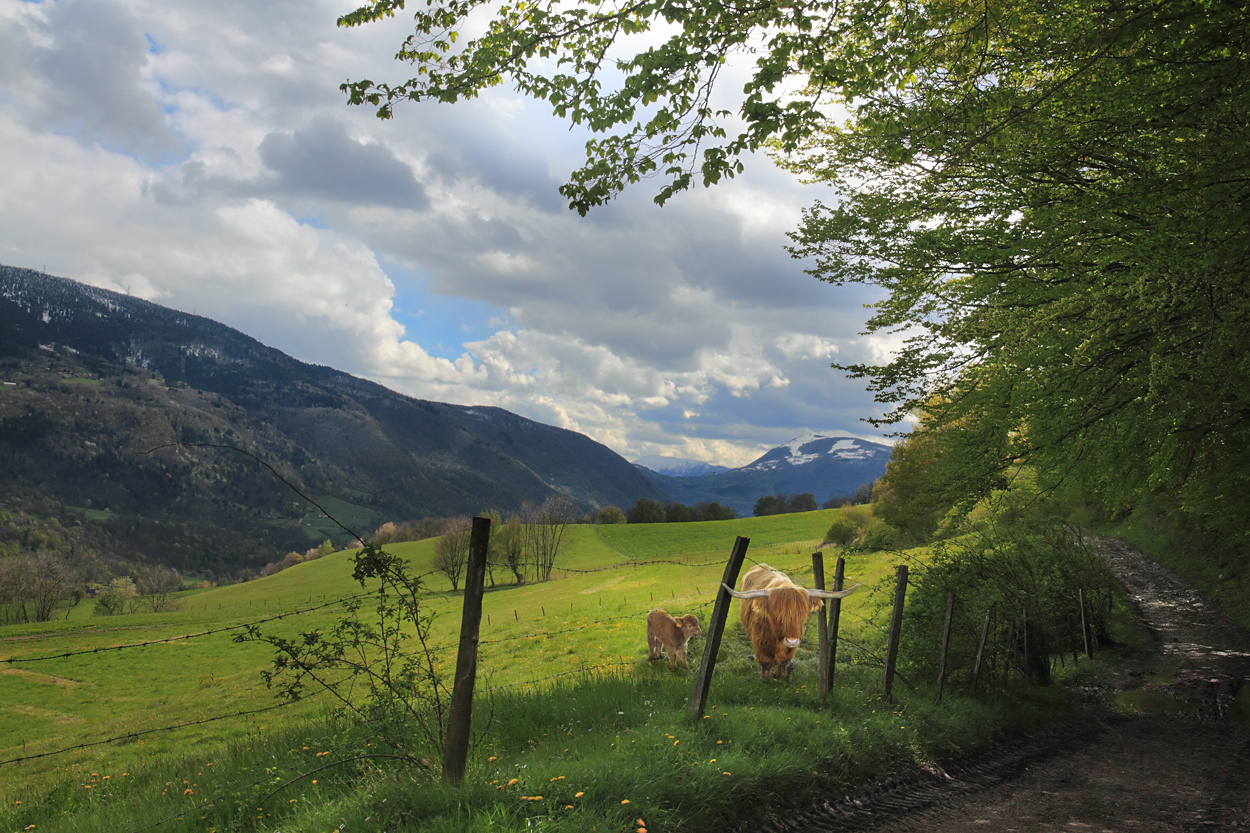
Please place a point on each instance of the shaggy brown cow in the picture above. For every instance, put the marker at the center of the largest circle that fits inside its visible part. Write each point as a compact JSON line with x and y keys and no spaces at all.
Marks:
{"x":775,"y":614}
{"x":663,"y":631}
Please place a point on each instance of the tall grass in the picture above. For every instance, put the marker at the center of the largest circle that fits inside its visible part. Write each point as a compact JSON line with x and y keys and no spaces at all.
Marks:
{"x":567,"y":704}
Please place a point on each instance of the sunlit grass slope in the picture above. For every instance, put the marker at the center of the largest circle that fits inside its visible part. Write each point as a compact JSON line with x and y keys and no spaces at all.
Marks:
{"x":590,"y":616}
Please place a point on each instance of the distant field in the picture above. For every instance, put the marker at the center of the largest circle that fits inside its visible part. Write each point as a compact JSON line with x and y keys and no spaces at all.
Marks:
{"x":590,"y":616}
{"x":318,"y":526}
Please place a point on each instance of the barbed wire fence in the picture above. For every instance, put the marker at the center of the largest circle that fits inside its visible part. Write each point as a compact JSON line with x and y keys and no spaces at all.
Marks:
{"x":530,"y":635}
{"x":581,"y":669}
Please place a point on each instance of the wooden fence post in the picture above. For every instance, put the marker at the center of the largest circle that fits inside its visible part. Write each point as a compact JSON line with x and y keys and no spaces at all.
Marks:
{"x":835,"y":617}
{"x":829,"y":658}
{"x":946,"y":641}
{"x":1089,"y":645}
{"x":896,"y":627}
{"x":985,"y":635}
{"x":822,"y":644}
{"x":716,"y":628}
{"x":1024,"y":626}
{"x":460,"y":712}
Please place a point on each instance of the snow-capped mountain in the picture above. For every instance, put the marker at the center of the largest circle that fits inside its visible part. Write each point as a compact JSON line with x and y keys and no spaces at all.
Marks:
{"x":811,"y":448}
{"x":833,"y":464}
{"x":678,"y":466}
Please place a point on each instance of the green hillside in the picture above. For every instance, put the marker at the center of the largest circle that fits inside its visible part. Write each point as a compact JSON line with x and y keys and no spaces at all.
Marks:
{"x":87,"y":697}
{"x":94,"y":727}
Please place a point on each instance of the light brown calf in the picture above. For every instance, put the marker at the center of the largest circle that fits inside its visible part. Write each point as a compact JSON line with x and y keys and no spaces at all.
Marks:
{"x":663,"y":631}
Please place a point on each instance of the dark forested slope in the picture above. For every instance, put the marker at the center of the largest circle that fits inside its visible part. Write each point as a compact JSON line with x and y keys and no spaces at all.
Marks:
{"x":103,"y":394}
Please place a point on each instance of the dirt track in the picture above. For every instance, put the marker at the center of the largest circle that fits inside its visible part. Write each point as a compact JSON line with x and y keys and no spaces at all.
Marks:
{"x":1183,"y":764}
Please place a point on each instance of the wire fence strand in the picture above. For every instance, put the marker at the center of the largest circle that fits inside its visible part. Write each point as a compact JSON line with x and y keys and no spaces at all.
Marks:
{"x":145,"y":732}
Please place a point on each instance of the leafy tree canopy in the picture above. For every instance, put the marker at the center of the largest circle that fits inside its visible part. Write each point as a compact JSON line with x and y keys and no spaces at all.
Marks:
{"x":1053,"y":193}
{"x":643,"y":73}
{"x":1058,"y":204}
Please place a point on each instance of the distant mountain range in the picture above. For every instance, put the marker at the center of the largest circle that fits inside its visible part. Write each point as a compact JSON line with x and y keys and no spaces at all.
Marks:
{"x":825,"y":465}
{"x":98,"y":387}
{"x":678,"y":466}
{"x":115,"y":414}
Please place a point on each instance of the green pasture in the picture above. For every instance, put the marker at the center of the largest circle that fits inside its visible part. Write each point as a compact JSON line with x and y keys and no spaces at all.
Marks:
{"x":319,"y":525}
{"x":577,"y":731}
{"x":589,"y":617}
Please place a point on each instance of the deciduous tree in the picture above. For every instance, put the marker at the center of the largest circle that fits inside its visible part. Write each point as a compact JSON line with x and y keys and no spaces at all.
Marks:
{"x":451,"y":553}
{"x":156,"y":585}
{"x":1056,"y":202}
{"x":544,"y":528}
{"x":1052,"y":194}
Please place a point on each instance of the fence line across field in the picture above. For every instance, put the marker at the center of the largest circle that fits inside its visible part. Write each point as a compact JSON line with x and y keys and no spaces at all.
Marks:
{"x":196,"y":635}
{"x":581,"y":670}
{"x":144,"y":732}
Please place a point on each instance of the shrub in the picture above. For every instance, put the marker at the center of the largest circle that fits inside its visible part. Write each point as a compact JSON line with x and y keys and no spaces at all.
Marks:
{"x":879,"y":535}
{"x":610,"y":515}
{"x":842,"y":531}
{"x":1027,"y":568}
{"x":118,"y":598}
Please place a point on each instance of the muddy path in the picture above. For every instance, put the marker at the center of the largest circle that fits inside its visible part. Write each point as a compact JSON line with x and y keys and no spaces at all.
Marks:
{"x":1179,"y":761}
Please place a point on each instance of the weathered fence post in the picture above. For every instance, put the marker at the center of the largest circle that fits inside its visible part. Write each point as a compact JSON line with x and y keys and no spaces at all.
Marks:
{"x":456,"y":744}
{"x":822,"y":644}
{"x":896,"y":628}
{"x":835,"y":617}
{"x":829,"y":636}
{"x":985,"y":635}
{"x":1024,"y":626}
{"x":1089,"y":645}
{"x":716,"y":628}
{"x":946,"y":641}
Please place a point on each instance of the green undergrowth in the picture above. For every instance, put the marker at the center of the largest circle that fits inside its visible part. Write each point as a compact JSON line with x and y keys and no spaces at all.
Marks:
{"x":586,"y":754}
{"x":567,"y":704}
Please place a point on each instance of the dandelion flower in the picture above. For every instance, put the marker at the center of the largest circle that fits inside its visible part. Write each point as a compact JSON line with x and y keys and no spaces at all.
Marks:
{"x":578,"y":795}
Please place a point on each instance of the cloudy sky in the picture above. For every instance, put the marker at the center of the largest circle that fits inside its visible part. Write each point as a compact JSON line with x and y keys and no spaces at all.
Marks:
{"x":200,"y":155}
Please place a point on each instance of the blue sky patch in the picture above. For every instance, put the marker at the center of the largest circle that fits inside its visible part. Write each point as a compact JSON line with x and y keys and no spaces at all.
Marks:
{"x":441,"y":324}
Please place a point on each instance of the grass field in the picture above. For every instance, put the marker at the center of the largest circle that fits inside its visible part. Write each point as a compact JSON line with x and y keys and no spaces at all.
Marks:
{"x":584,"y":630}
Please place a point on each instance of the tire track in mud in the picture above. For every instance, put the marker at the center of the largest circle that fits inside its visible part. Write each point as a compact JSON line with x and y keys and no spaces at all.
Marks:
{"x":1183,"y":767}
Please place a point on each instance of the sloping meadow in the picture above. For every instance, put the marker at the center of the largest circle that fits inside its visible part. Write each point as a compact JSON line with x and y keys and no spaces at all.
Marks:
{"x":574,"y":728}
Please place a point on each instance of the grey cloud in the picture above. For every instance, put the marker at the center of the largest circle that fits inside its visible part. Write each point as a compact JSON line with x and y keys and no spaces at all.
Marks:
{"x":711,"y":252}
{"x":323,"y":161}
{"x":503,"y":166}
{"x":92,"y":71}
{"x":667,"y":339}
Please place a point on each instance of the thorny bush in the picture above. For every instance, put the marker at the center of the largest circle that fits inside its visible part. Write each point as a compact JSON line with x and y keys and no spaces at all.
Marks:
{"x":366,"y":660}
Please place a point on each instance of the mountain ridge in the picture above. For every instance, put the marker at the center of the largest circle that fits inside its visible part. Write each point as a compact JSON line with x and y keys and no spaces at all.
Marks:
{"x":100,"y":379}
{"x":825,"y":464}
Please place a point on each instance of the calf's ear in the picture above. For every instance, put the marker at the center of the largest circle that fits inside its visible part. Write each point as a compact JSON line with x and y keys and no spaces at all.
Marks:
{"x":816,"y":603}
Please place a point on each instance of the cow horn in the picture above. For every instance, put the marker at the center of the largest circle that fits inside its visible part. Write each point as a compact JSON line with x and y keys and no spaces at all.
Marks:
{"x":744,"y":594}
{"x":831,"y":594}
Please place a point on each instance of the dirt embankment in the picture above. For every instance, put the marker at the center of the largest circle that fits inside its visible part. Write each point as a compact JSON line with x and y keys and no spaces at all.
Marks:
{"x":1167,"y":746}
